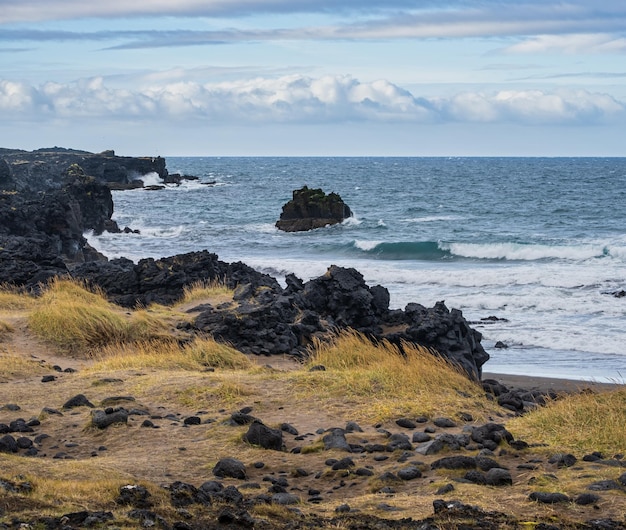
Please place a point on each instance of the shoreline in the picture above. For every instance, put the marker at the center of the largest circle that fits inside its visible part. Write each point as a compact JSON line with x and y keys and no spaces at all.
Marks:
{"x":549,"y":384}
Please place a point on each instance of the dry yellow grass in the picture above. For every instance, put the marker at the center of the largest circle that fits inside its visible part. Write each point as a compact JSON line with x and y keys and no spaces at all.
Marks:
{"x":5,"y":329}
{"x":12,"y":300}
{"x":12,"y":365}
{"x":367,"y":383}
{"x":74,"y":317}
{"x":215,"y":290}
{"x":580,"y":423}
{"x":199,"y":354}
{"x":411,"y":382}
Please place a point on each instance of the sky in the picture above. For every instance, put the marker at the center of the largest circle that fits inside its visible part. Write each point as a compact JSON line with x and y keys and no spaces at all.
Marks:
{"x":315,"y":77}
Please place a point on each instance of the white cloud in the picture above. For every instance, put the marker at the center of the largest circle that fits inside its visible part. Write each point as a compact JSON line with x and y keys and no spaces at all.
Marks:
{"x":570,"y":44}
{"x":298,"y":99}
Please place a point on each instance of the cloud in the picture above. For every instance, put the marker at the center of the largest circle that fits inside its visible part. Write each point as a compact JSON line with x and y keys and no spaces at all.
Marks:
{"x":572,"y":25}
{"x":570,"y":44}
{"x":37,"y":10}
{"x":297,"y":99}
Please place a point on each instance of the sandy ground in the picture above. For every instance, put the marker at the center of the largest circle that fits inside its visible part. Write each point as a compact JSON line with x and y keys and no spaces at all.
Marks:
{"x":547,"y":384}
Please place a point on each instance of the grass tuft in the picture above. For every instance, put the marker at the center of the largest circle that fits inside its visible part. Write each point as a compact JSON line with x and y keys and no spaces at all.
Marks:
{"x":5,"y":329}
{"x":580,"y":423}
{"x":12,"y":300}
{"x":210,"y":353}
{"x":197,"y":355}
{"x":215,"y":290}
{"x":413,"y":381}
{"x":74,"y":317}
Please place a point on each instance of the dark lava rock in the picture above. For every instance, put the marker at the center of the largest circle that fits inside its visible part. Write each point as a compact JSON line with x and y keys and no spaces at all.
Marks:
{"x":585,"y":499}
{"x":399,"y":441}
{"x":285,"y":499}
{"x":444,"y":423}
{"x":103,"y":418}
{"x":548,"y":498}
{"x":454,"y":462}
{"x":264,"y":436}
{"x":310,"y":209}
{"x":134,"y":495}
{"x":230,"y":467}
{"x":409,"y":473}
{"x":8,"y":444}
{"x":498,"y":477}
{"x":563,"y":460}
{"x":344,"y":463}
{"x":336,"y":439}
{"x":78,"y":401}
{"x":406,"y":423}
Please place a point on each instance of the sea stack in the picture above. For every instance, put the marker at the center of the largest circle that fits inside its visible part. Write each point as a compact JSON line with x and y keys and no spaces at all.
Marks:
{"x":310,"y":209}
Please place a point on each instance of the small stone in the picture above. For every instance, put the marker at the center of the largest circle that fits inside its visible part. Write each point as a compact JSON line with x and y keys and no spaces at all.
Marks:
{"x":48,"y":378}
{"x":444,"y":423}
{"x":406,"y":423}
{"x":548,"y":498}
{"x":230,"y":467}
{"x":563,"y":460}
{"x":498,"y":477}
{"x":78,"y":401}
{"x":285,"y":499}
{"x":584,"y":499}
{"x":409,"y":473}
{"x":447,"y":488}
{"x":344,"y":463}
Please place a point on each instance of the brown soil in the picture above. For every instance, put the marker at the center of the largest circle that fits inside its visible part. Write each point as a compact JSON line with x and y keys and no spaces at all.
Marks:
{"x":157,"y":457}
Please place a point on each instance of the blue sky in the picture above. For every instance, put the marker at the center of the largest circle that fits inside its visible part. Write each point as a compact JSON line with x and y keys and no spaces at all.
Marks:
{"x":305,"y":77}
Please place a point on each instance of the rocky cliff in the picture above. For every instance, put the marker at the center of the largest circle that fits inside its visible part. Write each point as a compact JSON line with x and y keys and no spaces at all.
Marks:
{"x":47,"y":169}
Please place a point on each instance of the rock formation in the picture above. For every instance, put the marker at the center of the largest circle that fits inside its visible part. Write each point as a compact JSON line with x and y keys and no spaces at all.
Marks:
{"x":312,"y":208}
{"x":47,"y":169}
{"x":41,"y":235}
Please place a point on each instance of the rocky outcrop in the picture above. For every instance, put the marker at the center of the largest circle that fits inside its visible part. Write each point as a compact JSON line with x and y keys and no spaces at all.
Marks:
{"x":267,"y":319}
{"x":163,"y":281}
{"x":42,"y":233}
{"x":47,"y":169}
{"x":312,"y":208}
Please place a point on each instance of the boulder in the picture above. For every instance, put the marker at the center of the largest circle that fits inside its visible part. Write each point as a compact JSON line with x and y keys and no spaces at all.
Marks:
{"x":264,"y":436}
{"x":310,"y":209}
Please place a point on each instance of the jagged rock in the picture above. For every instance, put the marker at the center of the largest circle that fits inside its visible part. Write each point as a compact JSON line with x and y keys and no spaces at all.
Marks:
{"x":336,"y":439}
{"x":52,"y":168}
{"x":230,"y":467}
{"x":78,"y":401}
{"x":310,"y":209}
{"x":103,"y":418}
{"x":264,"y":436}
{"x":183,"y":494}
{"x":134,"y":495}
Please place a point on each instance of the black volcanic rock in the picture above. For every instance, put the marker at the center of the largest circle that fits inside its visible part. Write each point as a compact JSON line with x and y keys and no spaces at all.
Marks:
{"x":47,"y":169}
{"x":312,"y":208}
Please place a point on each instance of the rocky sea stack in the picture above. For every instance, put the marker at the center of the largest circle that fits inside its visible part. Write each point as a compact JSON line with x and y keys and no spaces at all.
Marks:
{"x":312,"y":208}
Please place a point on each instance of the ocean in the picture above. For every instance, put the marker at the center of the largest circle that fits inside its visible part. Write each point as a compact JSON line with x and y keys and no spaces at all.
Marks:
{"x":539,"y":243}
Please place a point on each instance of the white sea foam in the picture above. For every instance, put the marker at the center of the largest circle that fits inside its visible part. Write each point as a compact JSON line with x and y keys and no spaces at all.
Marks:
{"x":151,"y":179}
{"x":432,"y":219}
{"x":353,"y":220}
{"x":366,"y":245}
{"x":516,"y":251}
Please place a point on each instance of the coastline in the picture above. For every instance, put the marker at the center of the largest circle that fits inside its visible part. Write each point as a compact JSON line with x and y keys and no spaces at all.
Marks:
{"x":549,"y":384}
